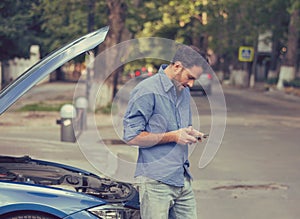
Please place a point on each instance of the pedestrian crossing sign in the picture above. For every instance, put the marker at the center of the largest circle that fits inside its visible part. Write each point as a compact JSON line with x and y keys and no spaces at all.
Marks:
{"x":246,"y":54}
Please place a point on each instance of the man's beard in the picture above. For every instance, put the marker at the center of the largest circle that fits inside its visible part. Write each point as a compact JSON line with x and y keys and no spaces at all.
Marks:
{"x":178,"y":86}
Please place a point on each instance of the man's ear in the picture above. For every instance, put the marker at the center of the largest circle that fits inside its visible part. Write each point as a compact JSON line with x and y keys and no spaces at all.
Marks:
{"x":178,"y":66}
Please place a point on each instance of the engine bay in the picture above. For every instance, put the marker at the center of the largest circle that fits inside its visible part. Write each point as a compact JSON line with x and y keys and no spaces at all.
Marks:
{"x":27,"y":170}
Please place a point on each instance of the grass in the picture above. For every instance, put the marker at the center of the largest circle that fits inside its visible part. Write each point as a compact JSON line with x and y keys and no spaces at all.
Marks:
{"x":108,"y":109}
{"x":45,"y":107}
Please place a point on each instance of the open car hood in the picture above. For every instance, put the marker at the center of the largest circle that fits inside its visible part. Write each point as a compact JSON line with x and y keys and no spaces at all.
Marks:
{"x":25,"y":170}
{"x":47,"y":65}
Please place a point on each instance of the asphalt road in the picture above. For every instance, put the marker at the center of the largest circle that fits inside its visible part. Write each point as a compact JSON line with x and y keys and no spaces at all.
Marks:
{"x":254,"y":173}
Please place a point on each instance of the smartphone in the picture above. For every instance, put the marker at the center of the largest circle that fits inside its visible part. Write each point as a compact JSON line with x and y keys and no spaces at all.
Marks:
{"x":204,"y":136}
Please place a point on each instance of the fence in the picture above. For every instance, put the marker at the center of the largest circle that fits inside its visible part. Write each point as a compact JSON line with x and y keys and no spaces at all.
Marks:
{"x":12,"y":69}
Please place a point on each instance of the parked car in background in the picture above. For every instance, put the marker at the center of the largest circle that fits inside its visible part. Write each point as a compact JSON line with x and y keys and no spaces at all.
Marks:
{"x":142,"y":73}
{"x":203,"y":84}
{"x":39,"y":189}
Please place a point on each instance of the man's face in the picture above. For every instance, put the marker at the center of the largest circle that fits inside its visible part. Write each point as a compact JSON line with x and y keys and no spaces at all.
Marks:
{"x":185,"y":77}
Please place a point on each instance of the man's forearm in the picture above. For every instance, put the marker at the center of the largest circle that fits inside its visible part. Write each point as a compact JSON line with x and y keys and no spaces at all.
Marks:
{"x":181,"y":136}
{"x":147,"y":139}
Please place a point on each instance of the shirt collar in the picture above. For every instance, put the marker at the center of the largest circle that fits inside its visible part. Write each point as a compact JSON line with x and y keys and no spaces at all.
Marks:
{"x":165,"y":80}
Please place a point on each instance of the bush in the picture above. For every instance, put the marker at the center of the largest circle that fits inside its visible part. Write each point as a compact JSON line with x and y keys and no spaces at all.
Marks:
{"x":272,"y":81}
{"x":293,"y":83}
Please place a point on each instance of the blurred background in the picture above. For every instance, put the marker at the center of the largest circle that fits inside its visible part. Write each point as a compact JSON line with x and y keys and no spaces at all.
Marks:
{"x":247,"y":42}
{"x":253,"y":48}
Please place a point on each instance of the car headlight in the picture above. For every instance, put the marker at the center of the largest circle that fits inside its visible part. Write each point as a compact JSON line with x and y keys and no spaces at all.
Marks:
{"x":114,"y":211}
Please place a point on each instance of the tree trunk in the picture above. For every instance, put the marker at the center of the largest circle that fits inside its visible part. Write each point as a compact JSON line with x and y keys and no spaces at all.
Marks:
{"x":288,"y":68}
{"x":116,"y":23}
{"x":117,"y":15}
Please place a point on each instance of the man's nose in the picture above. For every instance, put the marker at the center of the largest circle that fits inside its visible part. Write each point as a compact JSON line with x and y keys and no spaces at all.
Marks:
{"x":190,"y":83}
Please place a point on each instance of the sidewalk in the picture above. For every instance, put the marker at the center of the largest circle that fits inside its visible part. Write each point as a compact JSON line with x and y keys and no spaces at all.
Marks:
{"x":274,"y":94}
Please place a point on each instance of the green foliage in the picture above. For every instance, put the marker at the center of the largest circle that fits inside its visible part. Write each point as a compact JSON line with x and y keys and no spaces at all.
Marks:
{"x":18,"y":29}
{"x":108,"y":109}
{"x":64,"y":20}
{"x":41,"y":107}
{"x":221,"y":25}
{"x":293,"y":83}
{"x":230,"y":23}
{"x":271,"y":81}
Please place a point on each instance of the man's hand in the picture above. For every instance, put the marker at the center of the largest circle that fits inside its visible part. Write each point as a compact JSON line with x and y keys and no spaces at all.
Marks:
{"x":188,"y":136}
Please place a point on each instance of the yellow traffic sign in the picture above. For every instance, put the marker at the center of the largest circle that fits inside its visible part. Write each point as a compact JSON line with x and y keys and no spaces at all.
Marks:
{"x":246,"y":54}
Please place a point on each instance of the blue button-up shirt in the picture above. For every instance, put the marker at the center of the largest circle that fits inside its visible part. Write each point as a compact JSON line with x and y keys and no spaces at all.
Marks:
{"x":154,"y":107}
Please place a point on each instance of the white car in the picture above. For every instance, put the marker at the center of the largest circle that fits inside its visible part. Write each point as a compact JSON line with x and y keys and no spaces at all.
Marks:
{"x":203,"y":84}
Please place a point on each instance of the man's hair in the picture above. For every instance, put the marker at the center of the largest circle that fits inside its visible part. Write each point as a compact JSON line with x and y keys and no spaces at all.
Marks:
{"x":190,"y":56}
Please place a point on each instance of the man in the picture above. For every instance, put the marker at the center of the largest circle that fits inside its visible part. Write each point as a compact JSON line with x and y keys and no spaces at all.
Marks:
{"x":158,"y":120}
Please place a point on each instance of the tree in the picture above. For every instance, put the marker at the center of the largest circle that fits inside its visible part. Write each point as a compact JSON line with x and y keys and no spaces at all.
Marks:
{"x":18,"y":28}
{"x":221,"y":25}
{"x":62,"y":21}
{"x":289,"y":66}
{"x":293,"y":35}
{"x":116,"y":21}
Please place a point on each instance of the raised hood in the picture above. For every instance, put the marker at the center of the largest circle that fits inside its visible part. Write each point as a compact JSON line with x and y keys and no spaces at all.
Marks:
{"x":44,"y":67}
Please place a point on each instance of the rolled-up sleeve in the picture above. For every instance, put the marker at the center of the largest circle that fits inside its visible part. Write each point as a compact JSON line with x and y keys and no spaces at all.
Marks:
{"x":139,"y":110}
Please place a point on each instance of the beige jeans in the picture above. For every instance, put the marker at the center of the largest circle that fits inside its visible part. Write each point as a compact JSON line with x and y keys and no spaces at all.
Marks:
{"x":162,"y":201}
